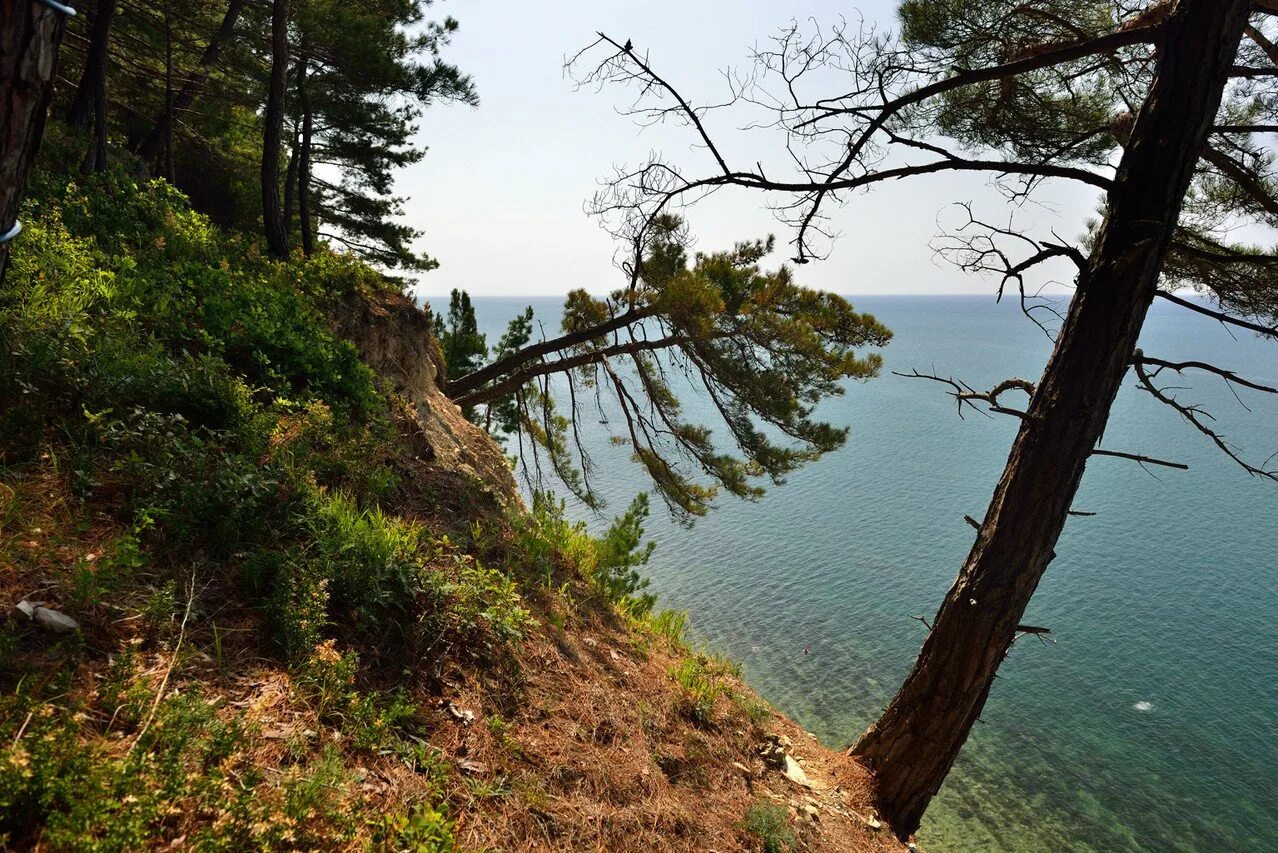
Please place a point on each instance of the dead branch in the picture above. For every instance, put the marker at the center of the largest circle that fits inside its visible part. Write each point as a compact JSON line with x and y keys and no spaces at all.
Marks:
{"x":1228,"y":319}
{"x":1196,"y":415}
{"x":1143,"y":460}
{"x":965,"y":394}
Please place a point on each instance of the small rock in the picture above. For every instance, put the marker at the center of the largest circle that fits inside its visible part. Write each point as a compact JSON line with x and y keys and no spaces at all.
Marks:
{"x":795,"y":773}
{"x":811,"y":812}
{"x":55,"y":621}
{"x":463,"y":716}
{"x":26,"y":608}
{"x":773,"y":756}
{"x":474,"y":767}
{"x":874,"y":822}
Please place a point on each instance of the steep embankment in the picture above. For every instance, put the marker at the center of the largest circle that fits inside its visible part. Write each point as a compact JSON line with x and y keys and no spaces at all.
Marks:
{"x":276,"y":593}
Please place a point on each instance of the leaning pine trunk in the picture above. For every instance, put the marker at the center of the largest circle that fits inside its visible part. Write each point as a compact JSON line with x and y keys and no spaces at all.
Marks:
{"x":82,"y":110}
{"x":913,"y":745}
{"x":273,"y":128}
{"x":30,"y":34}
{"x":162,"y":130}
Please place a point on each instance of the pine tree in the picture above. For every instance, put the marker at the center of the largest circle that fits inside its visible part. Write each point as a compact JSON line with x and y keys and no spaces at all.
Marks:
{"x":365,"y":74}
{"x":30,"y":36}
{"x":272,"y":129}
{"x":1176,"y":92}
{"x":765,"y":350}
{"x":464,"y":346}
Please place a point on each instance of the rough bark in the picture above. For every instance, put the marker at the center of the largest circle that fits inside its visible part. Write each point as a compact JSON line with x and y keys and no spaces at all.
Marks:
{"x":92,"y":79}
{"x":304,"y":161}
{"x":163,"y":127}
{"x":290,"y":181}
{"x":168,"y":93}
{"x":30,"y":34}
{"x":272,"y":130}
{"x":913,"y":745}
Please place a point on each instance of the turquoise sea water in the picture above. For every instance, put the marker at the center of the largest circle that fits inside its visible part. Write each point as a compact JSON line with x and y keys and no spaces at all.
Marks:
{"x":1149,"y":723}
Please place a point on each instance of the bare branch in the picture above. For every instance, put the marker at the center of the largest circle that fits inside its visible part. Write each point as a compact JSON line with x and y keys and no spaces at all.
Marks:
{"x":1195,"y":415}
{"x":965,"y":394}
{"x":1143,"y":460}
{"x":1218,"y":315}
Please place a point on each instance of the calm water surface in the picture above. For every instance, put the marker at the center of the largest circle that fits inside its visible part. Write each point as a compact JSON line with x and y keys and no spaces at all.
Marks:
{"x":1149,"y":723}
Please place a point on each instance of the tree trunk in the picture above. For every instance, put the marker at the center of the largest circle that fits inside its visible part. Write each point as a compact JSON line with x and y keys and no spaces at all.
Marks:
{"x":273,"y":128}
{"x":163,"y":127}
{"x":30,"y":34}
{"x":913,"y":745}
{"x":304,"y":162}
{"x":290,"y":181}
{"x":168,"y":92}
{"x":93,"y":78}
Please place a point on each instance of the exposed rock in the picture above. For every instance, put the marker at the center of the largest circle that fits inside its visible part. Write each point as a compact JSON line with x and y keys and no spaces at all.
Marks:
{"x":810,"y":812}
{"x":54,"y":621}
{"x":773,"y":756}
{"x":461,"y":715}
{"x":795,"y":773}
{"x":393,"y":337}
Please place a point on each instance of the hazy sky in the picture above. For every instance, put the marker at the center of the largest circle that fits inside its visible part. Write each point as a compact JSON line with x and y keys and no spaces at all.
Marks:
{"x":500,"y":193}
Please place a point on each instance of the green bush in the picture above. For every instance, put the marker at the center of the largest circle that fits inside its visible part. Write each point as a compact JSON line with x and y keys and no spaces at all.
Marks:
{"x":423,"y":829}
{"x":549,"y":544}
{"x":768,"y":821}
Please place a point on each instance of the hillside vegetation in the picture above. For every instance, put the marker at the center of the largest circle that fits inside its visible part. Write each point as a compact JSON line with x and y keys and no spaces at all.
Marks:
{"x":296,"y":625}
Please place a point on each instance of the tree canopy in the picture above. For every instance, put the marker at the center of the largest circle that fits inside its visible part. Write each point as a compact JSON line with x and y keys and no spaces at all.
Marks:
{"x":185,"y":86}
{"x":762,"y":348}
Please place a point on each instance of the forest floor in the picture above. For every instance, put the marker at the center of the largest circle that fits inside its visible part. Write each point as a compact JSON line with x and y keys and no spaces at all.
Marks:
{"x":597,"y":733}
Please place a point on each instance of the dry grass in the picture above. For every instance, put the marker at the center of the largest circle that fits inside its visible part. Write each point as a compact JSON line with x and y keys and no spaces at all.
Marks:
{"x":581,"y":740}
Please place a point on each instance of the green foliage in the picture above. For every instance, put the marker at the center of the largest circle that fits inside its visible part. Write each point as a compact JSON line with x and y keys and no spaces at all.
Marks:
{"x":502,"y":415}
{"x":372,"y":720}
{"x":423,"y":829}
{"x":703,"y":679}
{"x":81,"y":798}
{"x":619,"y":555}
{"x":370,"y":72}
{"x":199,"y":392}
{"x":671,"y":624}
{"x":459,"y":336}
{"x":1080,"y":112}
{"x":764,"y":349}
{"x":770,"y":823}
{"x":551,"y":545}
{"x":1059,"y":112}
{"x":367,"y":74}
{"x":206,"y":388}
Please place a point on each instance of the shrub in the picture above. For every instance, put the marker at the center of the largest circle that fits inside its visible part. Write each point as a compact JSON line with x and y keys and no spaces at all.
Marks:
{"x":423,"y":829}
{"x":702,"y":678}
{"x":549,"y":544}
{"x":768,"y":821}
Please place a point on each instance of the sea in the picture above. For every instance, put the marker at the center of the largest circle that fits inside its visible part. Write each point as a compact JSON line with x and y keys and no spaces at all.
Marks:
{"x":1146,"y":721}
